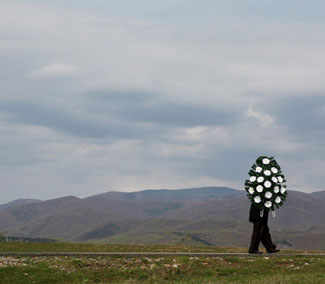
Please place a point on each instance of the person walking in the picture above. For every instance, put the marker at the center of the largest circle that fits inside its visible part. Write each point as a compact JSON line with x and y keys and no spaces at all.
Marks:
{"x":266,"y":191}
{"x":261,"y":231}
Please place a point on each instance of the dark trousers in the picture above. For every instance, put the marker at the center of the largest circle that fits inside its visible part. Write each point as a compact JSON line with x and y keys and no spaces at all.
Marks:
{"x":261,"y":233}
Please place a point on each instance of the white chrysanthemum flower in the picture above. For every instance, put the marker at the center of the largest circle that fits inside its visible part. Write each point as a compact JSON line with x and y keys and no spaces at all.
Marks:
{"x":276,"y":189}
{"x":267,"y":173}
{"x":258,"y":169}
{"x":280,"y":179}
{"x":252,"y":178}
{"x":257,"y":199}
{"x":259,"y":188}
{"x":260,"y":179}
{"x":267,"y":184}
{"x":268,"y":204}
{"x":274,"y":170}
{"x":266,"y":161}
{"x":274,"y":179}
{"x":277,"y":200}
{"x":268,"y":194}
{"x":283,"y":190}
{"x":251,"y":190}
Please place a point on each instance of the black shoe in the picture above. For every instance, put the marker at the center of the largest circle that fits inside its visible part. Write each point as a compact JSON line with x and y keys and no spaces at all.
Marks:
{"x":273,"y":251}
{"x":255,"y":252}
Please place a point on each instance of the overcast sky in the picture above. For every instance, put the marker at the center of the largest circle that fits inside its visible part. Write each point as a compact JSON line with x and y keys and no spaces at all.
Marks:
{"x":135,"y":94}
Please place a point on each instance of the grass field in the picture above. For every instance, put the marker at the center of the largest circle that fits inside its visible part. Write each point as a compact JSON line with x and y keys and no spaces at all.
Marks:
{"x":169,"y":269}
{"x":90,"y":247}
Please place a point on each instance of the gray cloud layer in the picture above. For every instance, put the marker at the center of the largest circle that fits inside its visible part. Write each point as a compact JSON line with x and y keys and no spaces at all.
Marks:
{"x":97,"y":101}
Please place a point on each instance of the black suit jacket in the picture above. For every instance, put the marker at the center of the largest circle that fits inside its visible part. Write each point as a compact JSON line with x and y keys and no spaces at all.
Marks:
{"x":254,"y":215}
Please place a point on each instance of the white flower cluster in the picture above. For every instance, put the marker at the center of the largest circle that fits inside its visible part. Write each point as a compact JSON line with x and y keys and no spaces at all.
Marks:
{"x":265,"y":186}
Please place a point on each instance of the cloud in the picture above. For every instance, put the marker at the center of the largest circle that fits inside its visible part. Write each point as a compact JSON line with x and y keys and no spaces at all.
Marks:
{"x":263,"y":118}
{"x":58,"y":70}
{"x":68,"y":121}
{"x":159,"y":97}
{"x":115,"y":114}
{"x":301,"y":115}
{"x":156,"y":109}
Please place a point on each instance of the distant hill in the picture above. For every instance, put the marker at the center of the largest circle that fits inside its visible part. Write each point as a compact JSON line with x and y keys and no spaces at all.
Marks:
{"x":200,"y":194}
{"x":199,"y":216}
{"x":18,"y":202}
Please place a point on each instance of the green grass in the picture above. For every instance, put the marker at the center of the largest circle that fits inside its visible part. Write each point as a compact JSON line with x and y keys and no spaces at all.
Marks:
{"x":91,"y":247}
{"x":156,"y":269}
{"x":180,"y":270}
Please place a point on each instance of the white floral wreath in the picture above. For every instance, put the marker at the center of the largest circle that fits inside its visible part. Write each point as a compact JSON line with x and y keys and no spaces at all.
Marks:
{"x":266,"y":187}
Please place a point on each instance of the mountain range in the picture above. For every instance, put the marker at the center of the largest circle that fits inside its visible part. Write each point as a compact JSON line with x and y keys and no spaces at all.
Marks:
{"x":193,"y":216}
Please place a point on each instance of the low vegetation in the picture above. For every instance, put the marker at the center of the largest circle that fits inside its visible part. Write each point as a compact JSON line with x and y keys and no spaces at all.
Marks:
{"x":91,"y":247}
{"x":266,"y":269}
{"x":179,"y":269}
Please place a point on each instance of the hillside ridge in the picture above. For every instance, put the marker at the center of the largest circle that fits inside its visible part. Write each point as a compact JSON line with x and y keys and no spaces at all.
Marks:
{"x":197,"y":216}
